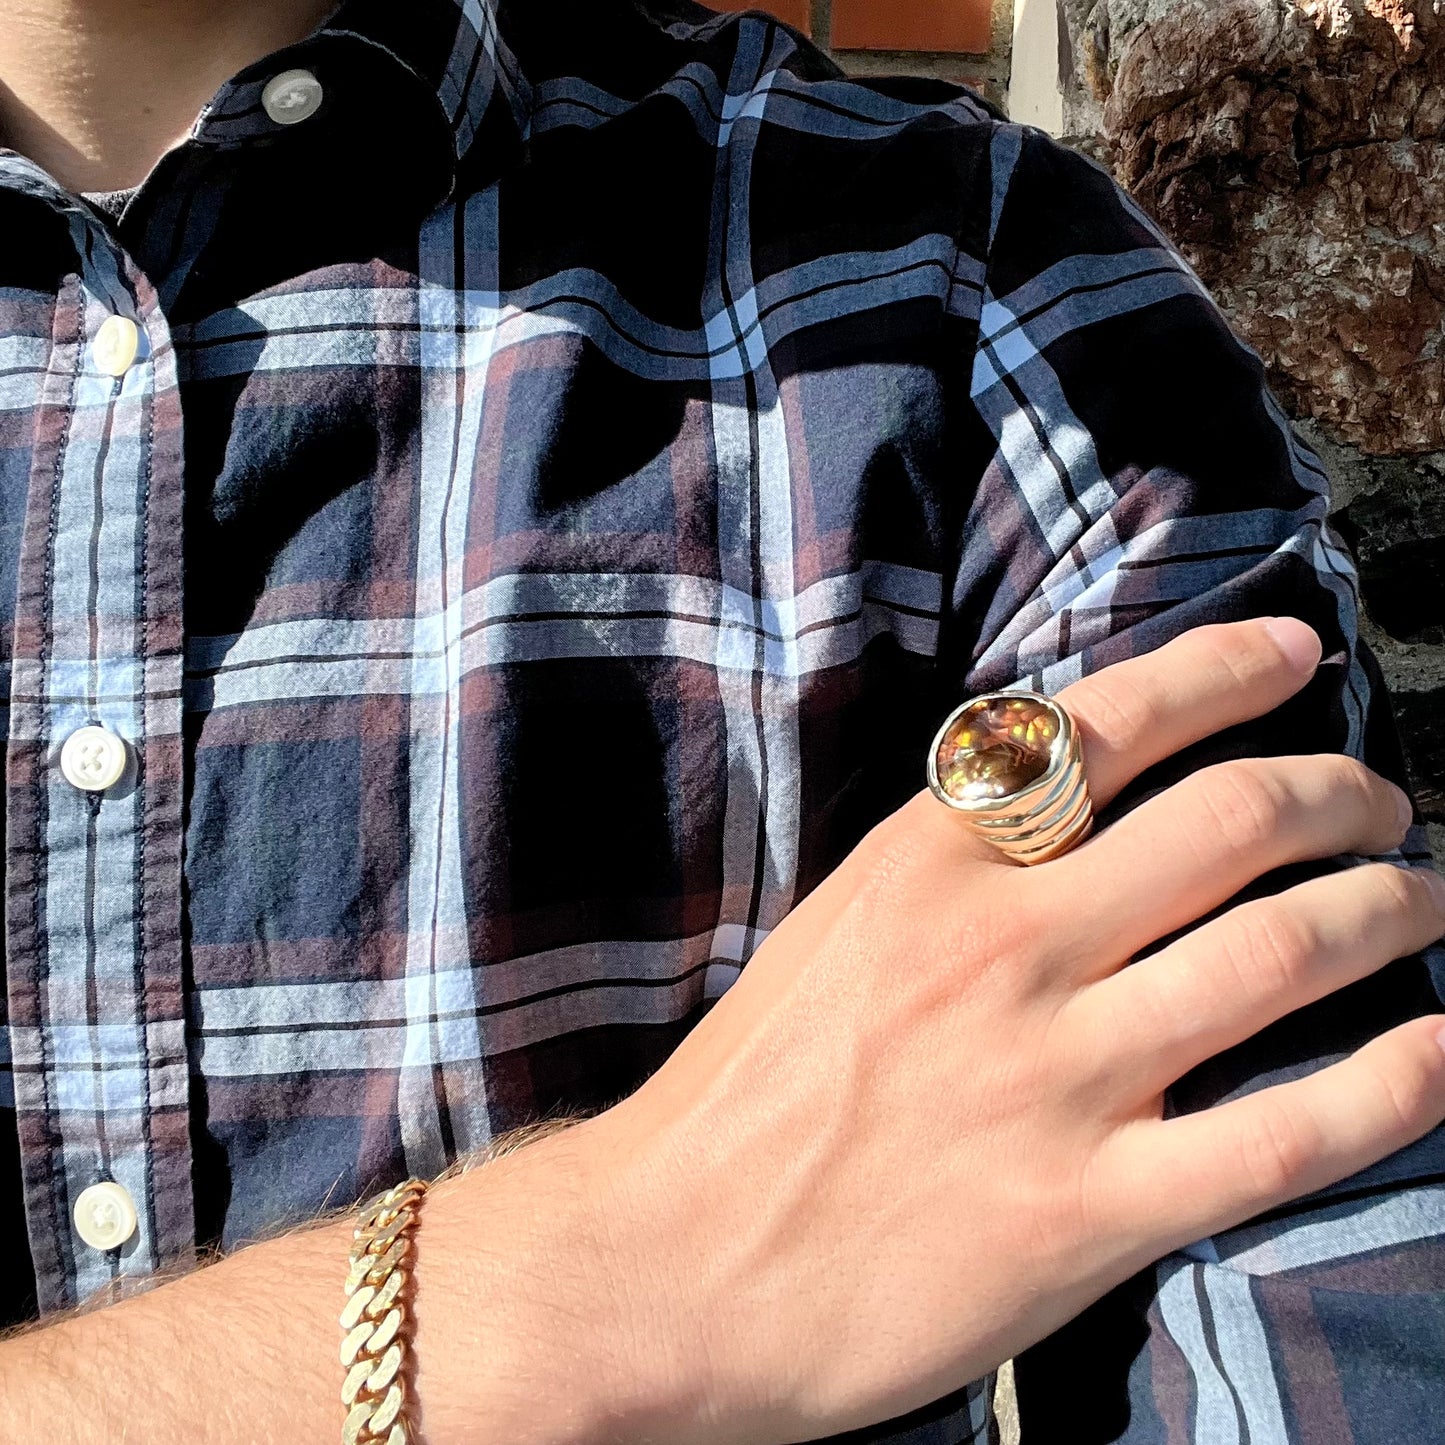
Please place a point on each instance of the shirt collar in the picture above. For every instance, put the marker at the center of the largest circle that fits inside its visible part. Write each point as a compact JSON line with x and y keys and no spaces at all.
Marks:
{"x":455,"y":53}
{"x":440,"y":73}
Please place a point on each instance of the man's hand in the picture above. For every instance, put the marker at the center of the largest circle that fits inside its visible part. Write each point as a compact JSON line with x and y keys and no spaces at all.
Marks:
{"x":924,"y":1128}
{"x":922,"y":1131}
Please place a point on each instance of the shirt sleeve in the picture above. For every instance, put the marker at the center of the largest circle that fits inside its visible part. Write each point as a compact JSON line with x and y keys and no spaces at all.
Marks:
{"x":1141,"y":481}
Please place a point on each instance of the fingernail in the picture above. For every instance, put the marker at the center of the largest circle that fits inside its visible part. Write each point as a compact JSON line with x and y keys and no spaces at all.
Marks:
{"x":1298,"y":641}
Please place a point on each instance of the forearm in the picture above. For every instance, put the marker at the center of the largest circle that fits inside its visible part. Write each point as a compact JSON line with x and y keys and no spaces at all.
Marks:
{"x":225,"y":1353}
{"x":514,"y":1338}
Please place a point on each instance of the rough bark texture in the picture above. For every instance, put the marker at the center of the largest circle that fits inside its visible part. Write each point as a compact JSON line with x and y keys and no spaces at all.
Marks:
{"x":1295,"y":150}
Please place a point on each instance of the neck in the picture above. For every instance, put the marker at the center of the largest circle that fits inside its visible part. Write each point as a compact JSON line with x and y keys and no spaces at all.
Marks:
{"x":95,"y":91}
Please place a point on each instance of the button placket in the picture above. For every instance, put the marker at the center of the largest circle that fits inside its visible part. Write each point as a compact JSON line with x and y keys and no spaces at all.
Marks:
{"x":97,"y":1016}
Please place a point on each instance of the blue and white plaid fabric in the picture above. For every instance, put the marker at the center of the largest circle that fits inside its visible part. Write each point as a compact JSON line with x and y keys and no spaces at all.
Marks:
{"x":563,"y":484}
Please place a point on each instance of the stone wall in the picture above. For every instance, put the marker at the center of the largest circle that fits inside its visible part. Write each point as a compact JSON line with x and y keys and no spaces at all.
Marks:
{"x":1295,"y":150}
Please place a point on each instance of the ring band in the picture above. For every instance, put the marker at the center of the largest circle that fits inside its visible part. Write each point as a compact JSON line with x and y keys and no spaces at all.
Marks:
{"x":1010,"y":763}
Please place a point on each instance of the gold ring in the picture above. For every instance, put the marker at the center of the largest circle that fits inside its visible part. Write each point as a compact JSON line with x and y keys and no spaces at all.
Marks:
{"x":1010,"y":763}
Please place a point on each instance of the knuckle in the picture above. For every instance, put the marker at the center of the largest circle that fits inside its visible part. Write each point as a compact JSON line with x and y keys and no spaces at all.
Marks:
{"x":1133,"y":1016}
{"x":1004,"y":936}
{"x":1278,"y":1150}
{"x":1148,"y":1023}
{"x":1117,"y":708}
{"x":1240,"y":653}
{"x":1269,"y":947}
{"x":888,"y":859}
{"x":1398,"y":890}
{"x":1244,"y":803}
{"x":897,"y":890}
{"x":1405,"y":1086}
{"x":1352,"y":778}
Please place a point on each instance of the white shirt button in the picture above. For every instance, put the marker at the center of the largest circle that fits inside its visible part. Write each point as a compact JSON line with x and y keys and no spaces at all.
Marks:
{"x":292,"y":96}
{"x":104,"y":1215}
{"x":116,"y":345}
{"x":93,"y":759}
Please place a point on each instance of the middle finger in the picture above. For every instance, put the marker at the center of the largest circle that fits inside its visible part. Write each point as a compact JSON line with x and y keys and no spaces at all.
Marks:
{"x":1189,"y":850}
{"x":1223,"y":983}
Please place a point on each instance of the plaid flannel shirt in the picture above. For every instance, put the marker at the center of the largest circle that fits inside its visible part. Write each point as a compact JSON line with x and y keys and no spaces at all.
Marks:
{"x":562,"y":485}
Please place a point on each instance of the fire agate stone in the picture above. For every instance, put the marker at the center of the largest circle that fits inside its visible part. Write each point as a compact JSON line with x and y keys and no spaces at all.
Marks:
{"x":996,"y":748}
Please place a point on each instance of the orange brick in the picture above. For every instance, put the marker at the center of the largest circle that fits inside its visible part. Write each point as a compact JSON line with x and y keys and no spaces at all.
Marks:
{"x":793,"y":12}
{"x":956,"y":25}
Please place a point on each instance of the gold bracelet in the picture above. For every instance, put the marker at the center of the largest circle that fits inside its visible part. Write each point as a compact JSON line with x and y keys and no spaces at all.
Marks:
{"x":377,"y":1319}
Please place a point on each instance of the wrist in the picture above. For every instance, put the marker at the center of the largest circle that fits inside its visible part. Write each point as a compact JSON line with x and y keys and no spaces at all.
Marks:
{"x":542,"y":1316}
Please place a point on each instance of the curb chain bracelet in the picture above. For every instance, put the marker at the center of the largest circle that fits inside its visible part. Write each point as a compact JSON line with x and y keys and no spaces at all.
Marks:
{"x":377,"y":1322}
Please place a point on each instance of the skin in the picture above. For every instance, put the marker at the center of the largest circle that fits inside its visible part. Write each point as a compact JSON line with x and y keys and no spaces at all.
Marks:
{"x":814,"y":1218}
{"x":96,"y":91}
{"x":915,"y":1136}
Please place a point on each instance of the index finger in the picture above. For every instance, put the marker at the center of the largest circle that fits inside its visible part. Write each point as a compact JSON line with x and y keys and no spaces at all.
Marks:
{"x":1137,"y":713}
